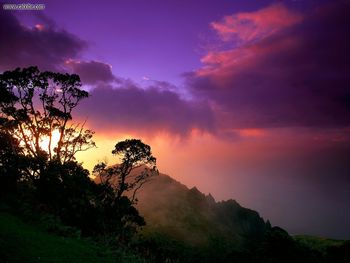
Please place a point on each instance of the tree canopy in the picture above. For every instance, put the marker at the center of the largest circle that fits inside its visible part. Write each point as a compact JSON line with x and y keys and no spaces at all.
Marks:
{"x":38,"y":144}
{"x":36,"y":107}
{"x":137,"y":165}
{"x":34,"y":104}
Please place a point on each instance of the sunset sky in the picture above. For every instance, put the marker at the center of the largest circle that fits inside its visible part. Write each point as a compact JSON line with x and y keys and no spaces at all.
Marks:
{"x":248,"y":100}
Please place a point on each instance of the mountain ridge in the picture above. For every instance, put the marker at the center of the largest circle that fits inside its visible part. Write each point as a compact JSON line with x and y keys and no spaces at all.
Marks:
{"x":171,"y":207}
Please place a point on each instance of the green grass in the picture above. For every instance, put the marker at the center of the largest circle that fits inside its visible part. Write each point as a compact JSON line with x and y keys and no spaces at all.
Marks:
{"x":23,"y":242}
{"x":318,"y":243}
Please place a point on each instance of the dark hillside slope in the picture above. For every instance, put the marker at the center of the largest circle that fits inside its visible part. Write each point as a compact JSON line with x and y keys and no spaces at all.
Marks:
{"x":23,"y":242}
{"x":189,"y":215}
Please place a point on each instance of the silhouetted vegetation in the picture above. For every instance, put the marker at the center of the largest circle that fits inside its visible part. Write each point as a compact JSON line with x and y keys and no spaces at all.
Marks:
{"x":126,"y":176}
{"x":45,"y":193}
{"x":44,"y":178}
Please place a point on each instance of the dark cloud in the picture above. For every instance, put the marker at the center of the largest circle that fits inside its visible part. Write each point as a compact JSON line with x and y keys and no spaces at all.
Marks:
{"x":44,"y":46}
{"x":92,"y":72}
{"x":299,"y":76}
{"x":128,"y":107}
{"x":150,"y":110}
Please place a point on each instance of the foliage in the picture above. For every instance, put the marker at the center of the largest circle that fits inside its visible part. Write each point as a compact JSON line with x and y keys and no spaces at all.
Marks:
{"x":67,"y":191}
{"x":53,"y":224}
{"x":10,"y":163}
{"x":35,"y":105}
{"x":117,"y":213}
{"x":134,"y":155}
{"x":159,"y":247}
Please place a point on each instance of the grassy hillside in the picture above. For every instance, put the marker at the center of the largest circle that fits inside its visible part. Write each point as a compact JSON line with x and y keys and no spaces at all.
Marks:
{"x":326,"y":247}
{"x":318,"y":243}
{"x":23,"y":242}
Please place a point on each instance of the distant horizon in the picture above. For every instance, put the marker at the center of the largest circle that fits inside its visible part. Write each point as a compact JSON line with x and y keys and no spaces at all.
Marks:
{"x":246,"y":100}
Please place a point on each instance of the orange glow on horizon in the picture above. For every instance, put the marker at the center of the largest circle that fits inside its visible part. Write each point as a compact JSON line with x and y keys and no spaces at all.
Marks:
{"x":252,"y":132}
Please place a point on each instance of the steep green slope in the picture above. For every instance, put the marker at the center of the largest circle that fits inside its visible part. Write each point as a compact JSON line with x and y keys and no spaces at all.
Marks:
{"x":22,"y":242}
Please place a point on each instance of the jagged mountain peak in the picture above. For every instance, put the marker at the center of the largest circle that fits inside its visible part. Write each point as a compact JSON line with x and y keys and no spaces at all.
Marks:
{"x":189,"y":215}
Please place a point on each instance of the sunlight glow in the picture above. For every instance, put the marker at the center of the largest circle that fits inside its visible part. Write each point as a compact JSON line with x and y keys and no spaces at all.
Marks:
{"x":44,"y":142}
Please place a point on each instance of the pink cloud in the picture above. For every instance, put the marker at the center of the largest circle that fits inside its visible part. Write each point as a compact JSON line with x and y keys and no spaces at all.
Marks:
{"x":253,"y":35}
{"x":295,"y":76}
{"x":223,"y":63}
{"x":250,"y":26}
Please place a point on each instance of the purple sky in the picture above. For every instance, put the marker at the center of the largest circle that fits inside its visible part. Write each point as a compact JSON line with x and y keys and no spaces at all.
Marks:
{"x":245,"y":99}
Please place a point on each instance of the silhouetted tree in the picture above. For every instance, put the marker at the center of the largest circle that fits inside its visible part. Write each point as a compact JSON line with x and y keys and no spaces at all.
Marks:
{"x":34,"y":106}
{"x":136,"y":168}
{"x":117,"y":215}
{"x":67,"y":191}
{"x":10,"y":163}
